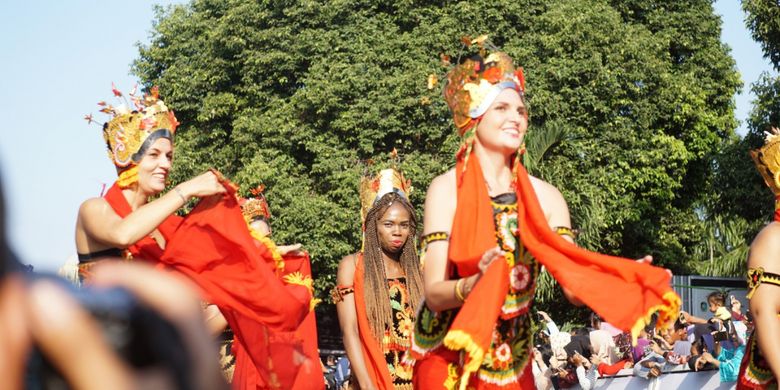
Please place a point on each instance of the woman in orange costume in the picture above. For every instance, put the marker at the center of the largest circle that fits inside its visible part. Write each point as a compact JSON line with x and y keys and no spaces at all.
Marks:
{"x":293,"y":266}
{"x":761,"y":364}
{"x":487,"y":222}
{"x":379,"y":288}
{"x":212,"y":245}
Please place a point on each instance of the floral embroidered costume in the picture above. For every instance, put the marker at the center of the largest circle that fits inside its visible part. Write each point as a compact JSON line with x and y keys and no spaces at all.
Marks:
{"x":486,"y":343}
{"x":212,"y":246}
{"x":383,"y":356}
{"x":754,"y":372}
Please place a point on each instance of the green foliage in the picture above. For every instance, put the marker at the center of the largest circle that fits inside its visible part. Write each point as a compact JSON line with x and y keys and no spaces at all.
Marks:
{"x":763,"y":20}
{"x":628,"y":102}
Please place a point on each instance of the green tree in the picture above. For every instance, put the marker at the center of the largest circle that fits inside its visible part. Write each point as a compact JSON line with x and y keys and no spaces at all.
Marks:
{"x":299,"y":95}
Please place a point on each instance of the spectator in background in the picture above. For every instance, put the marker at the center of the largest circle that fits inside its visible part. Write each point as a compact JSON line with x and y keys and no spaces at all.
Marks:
{"x":736,"y":309}
{"x":652,"y":364}
{"x":542,"y":371}
{"x":601,"y":341}
{"x":343,"y":371}
{"x":728,"y":353}
{"x":548,"y":323}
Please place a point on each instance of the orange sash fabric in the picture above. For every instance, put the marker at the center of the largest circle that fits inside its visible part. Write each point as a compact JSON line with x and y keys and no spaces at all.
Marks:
{"x":310,"y":375}
{"x":145,"y":248}
{"x":213,"y":247}
{"x":636,"y":290}
{"x":371,"y":348}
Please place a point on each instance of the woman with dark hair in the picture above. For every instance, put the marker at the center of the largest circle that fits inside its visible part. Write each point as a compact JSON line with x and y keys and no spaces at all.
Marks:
{"x":41,"y":312}
{"x":488,"y":226}
{"x":760,"y":366}
{"x":212,"y":245}
{"x":379,"y":288}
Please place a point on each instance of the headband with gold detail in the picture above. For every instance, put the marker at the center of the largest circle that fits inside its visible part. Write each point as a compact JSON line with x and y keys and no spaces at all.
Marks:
{"x":256,"y":206}
{"x":130,"y":131}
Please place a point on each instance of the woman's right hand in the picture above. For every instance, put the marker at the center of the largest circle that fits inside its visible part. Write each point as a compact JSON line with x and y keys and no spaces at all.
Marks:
{"x":201,"y":186}
{"x":488,"y":258}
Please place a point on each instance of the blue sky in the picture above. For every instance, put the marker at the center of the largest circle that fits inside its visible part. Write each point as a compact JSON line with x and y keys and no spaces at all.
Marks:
{"x":59,"y":59}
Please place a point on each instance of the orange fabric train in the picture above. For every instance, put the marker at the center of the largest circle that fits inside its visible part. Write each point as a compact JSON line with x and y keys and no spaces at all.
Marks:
{"x":372,"y":352}
{"x":636,"y":290}
{"x":213,"y":247}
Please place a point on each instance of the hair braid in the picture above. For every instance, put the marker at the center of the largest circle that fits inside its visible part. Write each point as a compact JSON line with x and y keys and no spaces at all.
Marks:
{"x":376,"y":294}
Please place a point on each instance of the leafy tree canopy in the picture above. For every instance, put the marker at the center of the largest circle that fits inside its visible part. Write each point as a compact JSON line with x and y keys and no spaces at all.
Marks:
{"x":629,"y":100}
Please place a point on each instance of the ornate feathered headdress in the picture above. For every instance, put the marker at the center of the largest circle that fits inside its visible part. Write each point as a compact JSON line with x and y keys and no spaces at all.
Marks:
{"x":256,"y":207}
{"x":374,"y":188}
{"x":767,"y":160}
{"x":473,"y":85}
{"x":130,"y":132}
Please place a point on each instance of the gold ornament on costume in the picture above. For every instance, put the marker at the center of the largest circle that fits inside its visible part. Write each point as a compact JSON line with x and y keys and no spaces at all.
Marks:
{"x":130,"y":131}
{"x":767,"y":160}
{"x":387,"y":181}
{"x":257,"y":206}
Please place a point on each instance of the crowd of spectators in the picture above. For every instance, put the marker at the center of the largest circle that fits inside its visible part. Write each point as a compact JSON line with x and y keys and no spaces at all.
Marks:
{"x":564,"y":359}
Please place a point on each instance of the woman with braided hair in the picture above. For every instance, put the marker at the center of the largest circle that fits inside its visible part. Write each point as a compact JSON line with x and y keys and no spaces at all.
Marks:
{"x":379,"y":288}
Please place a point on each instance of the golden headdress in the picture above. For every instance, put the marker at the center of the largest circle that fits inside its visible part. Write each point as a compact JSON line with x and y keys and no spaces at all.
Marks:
{"x":256,"y":207}
{"x":767,"y":160}
{"x":129,"y":133}
{"x":374,"y":188}
{"x":474,"y":84}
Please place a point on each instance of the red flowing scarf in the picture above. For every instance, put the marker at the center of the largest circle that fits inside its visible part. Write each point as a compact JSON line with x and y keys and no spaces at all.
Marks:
{"x":213,"y":247}
{"x":635,"y":292}
{"x":777,"y":208}
{"x":376,"y":365}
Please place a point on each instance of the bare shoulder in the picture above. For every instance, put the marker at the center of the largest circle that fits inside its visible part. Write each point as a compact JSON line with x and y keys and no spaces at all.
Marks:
{"x":442,"y":184}
{"x":346,"y":272}
{"x":93,"y":206}
{"x":546,"y":191}
{"x":440,"y":202}
{"x":553,"y":204}
{"x":765,"y":249}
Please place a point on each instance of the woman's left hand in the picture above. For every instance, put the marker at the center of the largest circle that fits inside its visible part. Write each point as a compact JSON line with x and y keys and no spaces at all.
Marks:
{"x":294,"y":249}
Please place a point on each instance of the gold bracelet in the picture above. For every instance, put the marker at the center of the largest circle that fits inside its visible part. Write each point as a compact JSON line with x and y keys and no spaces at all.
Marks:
{"x":458,"y":292}
{"x":178,"y":192}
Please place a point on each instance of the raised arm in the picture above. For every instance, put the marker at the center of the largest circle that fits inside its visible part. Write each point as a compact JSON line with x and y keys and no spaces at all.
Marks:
{"x":349,"y":323}
{"x":765,"y":302}
{"x":98,"y":222}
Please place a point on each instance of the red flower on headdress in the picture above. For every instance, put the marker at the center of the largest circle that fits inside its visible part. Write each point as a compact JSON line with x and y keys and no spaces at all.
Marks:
{"x":492,"y":75}
{"x":258,"y":190}
{"x":116,"y":92}
{"x":147,"y":123}
{"x":520,"y":78}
